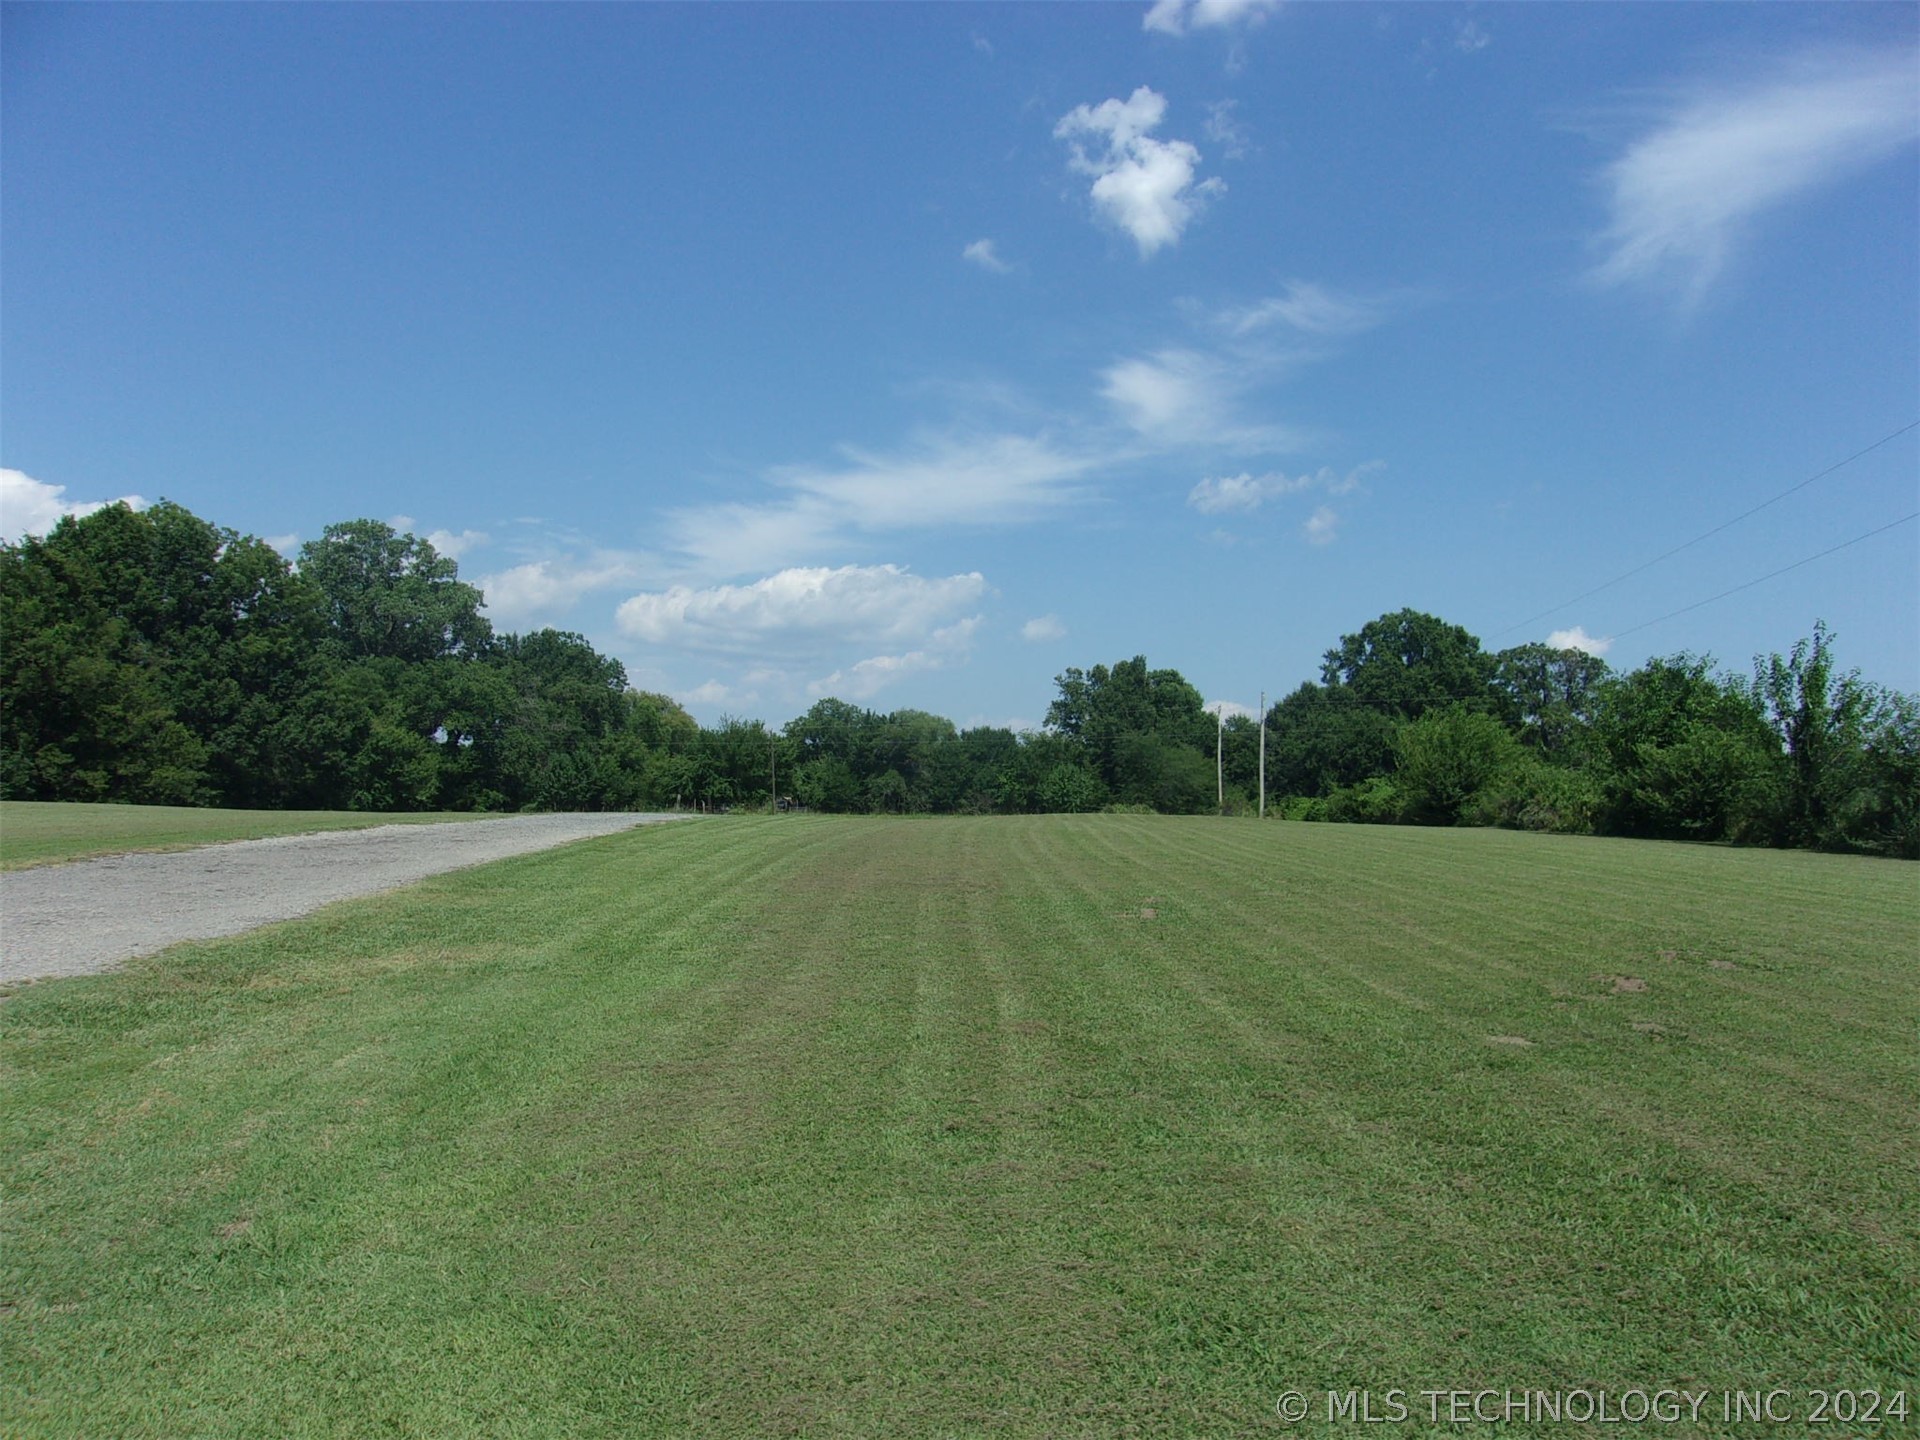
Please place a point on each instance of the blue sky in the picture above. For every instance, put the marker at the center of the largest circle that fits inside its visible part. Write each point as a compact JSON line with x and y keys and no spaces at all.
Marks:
{"x":912,"y":353}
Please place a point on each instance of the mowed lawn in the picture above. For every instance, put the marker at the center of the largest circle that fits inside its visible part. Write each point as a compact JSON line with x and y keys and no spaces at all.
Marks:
{"x":46,"y":832}
{"x":1099,"y":1125}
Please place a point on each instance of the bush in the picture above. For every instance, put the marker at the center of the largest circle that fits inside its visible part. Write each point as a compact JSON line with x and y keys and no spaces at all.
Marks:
{"x":1535,"y":795}
{"x":1374,"y":801}
{"x":1447,"y":757}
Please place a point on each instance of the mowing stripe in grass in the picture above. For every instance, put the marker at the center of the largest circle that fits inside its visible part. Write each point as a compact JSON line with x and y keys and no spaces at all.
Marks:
{"x":891,"y":1127}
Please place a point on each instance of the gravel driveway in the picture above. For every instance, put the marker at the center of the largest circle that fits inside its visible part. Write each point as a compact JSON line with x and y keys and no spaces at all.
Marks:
{"x":92,"y":914}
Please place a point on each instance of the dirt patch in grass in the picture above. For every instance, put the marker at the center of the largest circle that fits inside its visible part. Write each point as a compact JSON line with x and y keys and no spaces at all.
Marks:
{"x":1628,"y":985}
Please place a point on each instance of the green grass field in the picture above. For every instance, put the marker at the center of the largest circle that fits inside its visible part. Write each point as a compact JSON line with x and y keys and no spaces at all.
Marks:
{"x":1064,"y":1126}
{"x":43,"y":832}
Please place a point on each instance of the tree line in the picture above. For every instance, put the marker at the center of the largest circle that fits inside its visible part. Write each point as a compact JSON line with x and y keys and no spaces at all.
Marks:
{"x":150,"y":656}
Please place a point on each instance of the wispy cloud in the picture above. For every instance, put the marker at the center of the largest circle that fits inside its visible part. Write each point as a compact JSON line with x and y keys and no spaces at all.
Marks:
{"x":803,"y":610}
{"x":970,"y":479}
{"x":1683,"y":195}
{"x":1228,"y":132}
{"x":1043,"y":628}
{"x":1244,"y":493}
{"x":33,"y":507}
{"x":1311,"y":309}
{"x":1578,"y":639}
{"x":983,"y":254}
{"x":1181,"y":397}
{"x":1177,"y":17}
{"x":1470,"y":37}
{"x":1146,"y":187}
{"x":866,"y":678}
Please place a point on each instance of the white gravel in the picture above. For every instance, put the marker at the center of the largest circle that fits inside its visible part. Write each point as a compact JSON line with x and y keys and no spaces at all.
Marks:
{"x":93,"y":914}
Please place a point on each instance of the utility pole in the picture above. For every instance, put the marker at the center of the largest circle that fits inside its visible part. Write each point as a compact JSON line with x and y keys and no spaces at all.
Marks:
{"x":773,"y":777}
{"x":1219,"y":762}
{"x":1263,"y":754}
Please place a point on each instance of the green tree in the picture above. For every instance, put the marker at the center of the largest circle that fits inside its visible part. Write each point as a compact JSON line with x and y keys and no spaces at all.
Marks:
{"x":1821,"y":718}
{"x":1106,"y":713}
{"x":153,"y":656}
{"x":389,"y":595}
{"x":1407,"y":663}
{"x":1685,"y":756}
{"x":1323,"y":737}
{"x":1447,"y":758}
{"x":1549,"y":695}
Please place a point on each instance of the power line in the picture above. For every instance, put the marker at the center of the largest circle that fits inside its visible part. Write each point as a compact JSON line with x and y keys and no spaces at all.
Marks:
{"x":1709,"y":534}
{"x":1771,"y":574}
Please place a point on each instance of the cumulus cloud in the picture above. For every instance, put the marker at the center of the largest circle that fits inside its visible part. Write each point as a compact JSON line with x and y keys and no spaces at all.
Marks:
{"x":866,"y":678}
{"x":1684,"y":194}
{"x":1322,"y":527}
{"x":982,"y":253}
{"x":1311,"y":309}
{"x":453,"y":546}
{"x":1043,"y":628}
{"x":1177,"y":17}
{"x":801,"y":610}
{"x":543,"y":590}
{"x":33,"y":507}
{"x":1144,"y":186}
{"x":1228,"y":709}
{"x":288,"y":545}
{"x":1578,"y":639}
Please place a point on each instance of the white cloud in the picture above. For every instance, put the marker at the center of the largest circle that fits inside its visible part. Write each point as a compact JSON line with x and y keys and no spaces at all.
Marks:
{"x":1243,"y":492}
{"x":862,"y":681}
{"x":1469,"y":36}
{"x":982,"y":253}
{"x":1176,"y":17}
{"x":1322,"y":526}
{"x":1246,"y":493}
{"x":946,"y":480}
{"x":1174,"y":390}
{"x":1184,"y":397}
{"x":453,"y":546}
{"x":1043,"y":628}
{"x":288,"y":545}
{"x":1682,"y":196}
{"x":800,"y":611}
{"x":1337,"y":484}
{"x":545,"y":589}
{"x":1313,"y":309}
{"x":1144,"y":186}
{"x":1227,"y":709}
{"x":714,"y":692}
{"x":1578,"y":639}
{"x":1229,"y":134}
{"x":33,"y":507}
